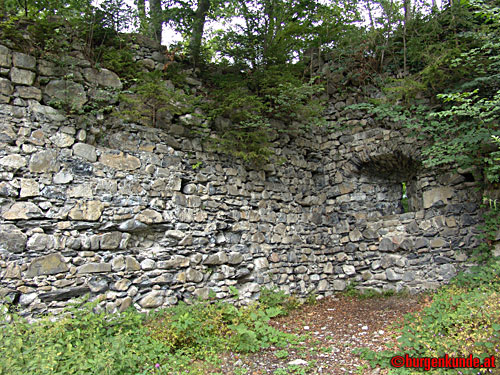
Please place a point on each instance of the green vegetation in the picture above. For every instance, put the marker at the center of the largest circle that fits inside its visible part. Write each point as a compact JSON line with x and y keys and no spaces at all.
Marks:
{"x":85,"y":341}
{"x":462,"y":319}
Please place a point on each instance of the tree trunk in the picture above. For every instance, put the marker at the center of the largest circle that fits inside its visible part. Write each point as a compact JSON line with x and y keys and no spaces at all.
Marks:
{"x":197,"y":31}
{"x":406,"y":7}
{"x":156,"y":17}
{"x":141,"y":9}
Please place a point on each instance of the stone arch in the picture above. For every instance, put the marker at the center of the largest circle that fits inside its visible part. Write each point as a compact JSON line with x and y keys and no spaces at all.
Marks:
{"x":393,"y":169}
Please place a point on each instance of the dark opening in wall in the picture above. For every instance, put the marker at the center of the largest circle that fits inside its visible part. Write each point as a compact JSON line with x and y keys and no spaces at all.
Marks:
{"x":397,"y":173}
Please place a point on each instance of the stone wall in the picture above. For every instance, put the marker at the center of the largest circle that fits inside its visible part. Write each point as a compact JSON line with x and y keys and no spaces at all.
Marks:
{"x":147,"y":217}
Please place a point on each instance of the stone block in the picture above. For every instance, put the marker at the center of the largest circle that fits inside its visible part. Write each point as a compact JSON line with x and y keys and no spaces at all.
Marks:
{"x":68,"y":93}
{"x":22,"y":77}
{"x":23,"y":61}
{"x":94,"y":268}
{"x":120,"y":161}
{"x":47,"y":265}
{"x":12,"y":239}
{"x":23,"y":211}
{"x":85,"y":151}
{"x":44,"y":161}
{"x":86,"y":211}
{"x":5,"y":57}
{"x":6,"y":87}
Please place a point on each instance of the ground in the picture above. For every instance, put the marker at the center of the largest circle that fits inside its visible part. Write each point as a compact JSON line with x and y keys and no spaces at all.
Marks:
{"x":333,"y":327}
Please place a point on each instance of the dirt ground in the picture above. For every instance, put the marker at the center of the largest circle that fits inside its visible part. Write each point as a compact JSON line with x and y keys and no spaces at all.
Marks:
{"x":333,"y":327}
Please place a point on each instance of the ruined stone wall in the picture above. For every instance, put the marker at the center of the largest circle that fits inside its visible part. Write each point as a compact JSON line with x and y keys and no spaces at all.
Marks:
{"x":147,"y":217}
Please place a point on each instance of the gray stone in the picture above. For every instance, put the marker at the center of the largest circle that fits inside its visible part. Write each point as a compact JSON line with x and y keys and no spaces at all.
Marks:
{"x":150,"y":217}
{"x":349,"y":270}
{"x":64,"y":294}
{"x":131,"y":264}
{"x":29,"y":92}
{"x":23,"y":211}
{"x":152,"y":300}
{"x":86,"y":211}
{"x":103,"y":77}
{"x":177,"y":234}
{"x":24,"y":61}
{"x":6,"y":87}
{"x":120,"y":161}
{"x":215,"y":259}
{"x":132,"y":225}
{"x":13,"y":161}
{"x":122,"y":285}
{"x":22,"y":77}
{"x":66,"y":93}
{"x":85,"y":151}
{"x":12,"y":239}
{"x":63,"y":177}
{"x":148,"y":264}
{"x":194,"y":275}
{"x":62,"y":140}
{"x":339,"y":285}
{"x":5,"y":57}
{"x":13,"y":271}
{"x":45,"y":112}
{"x":391,"y":275}
{"x":261,"y":264}
{"x":98,"y":284}
{"x":39,"y":242}
{"x":110,"y":241}
{"x":435,"y":195}
{"x":27,"y":299}
{"x":386,"y":244}
{"x":29,"y":188}
{"x":94,"y":268}
{"x":235,"y":258}
{"x":44,"y":161}
{"x":47,"y":265}
{"x":175,"y":262}
{"x":126,"y":303}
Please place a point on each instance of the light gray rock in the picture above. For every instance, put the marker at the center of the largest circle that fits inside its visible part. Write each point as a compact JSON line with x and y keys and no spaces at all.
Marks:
{"x":94,"y":268}
{"x":39,"y":242}
{"x":152,"y":300}
{"x":85,"y":151}
{"x":5,"y":57}
{"x":45,"y":112}
{"x":86,"y":211}
{"x":103,"y":77}
{"x":44,"y":161}
{"x":215,"y":259}
{"x":47,"y":265}
{"x":23,"y":211}
{"x":63,"y":177}
{"x":12,"y":239}
{"x":29,"y":92}
{"x":62,"y":140}
{"x":13,"y":161}
{"x":67,"y":93}
{"x":6,"y":87}
{"x":22,"y":77}
{"x":24,"y":61}
{"x":110,"y":241}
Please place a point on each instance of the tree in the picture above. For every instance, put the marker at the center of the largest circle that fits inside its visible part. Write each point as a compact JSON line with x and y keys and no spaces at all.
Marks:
{"x":197,"y":30}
